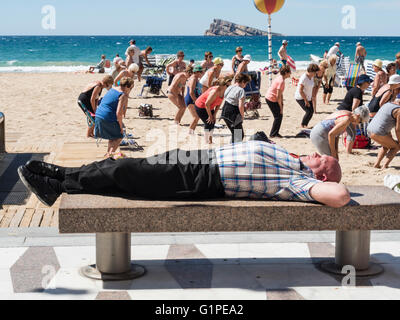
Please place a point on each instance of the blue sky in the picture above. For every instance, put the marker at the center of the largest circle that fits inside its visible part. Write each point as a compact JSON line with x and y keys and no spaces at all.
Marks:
{"x":193,"y":17}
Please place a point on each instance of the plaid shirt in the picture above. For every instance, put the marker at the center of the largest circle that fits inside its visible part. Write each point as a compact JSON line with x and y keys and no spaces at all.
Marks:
{"x":257,"y":169}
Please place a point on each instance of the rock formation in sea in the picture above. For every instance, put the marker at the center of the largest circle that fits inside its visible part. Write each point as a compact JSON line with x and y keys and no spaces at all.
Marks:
{"x":225,"y":28}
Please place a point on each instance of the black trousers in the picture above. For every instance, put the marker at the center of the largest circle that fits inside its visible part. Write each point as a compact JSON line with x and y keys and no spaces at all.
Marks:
{"x":173,"y":175}
{"x":309,"y":112}
{"x":203,"y":115}
{"x":278,"y":117}
{"x":234,"y":121}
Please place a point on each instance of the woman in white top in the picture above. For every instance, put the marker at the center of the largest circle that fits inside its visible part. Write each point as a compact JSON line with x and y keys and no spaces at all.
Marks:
{"x":304,"y":93}
{"x":212,"y":74}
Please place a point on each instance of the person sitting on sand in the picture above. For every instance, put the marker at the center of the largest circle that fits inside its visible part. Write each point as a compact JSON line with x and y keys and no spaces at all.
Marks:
{"x":91,"y":95}
{"x":380,"y":78}
{"x":274,"y":99}
{"x":144,"y":56}
{"x":233,"y":110}
{"x":237,"y":59}
{"x":99,"y":67}
{"x":282,"y":53}
{"x":177,"y":66}
{"x":176,"y":92}
{"x":387,"y":93}
{"x":244,"y":66}
{"x":192,"y":93}
{"x":325,"y":135}
{"x":380,"y":130}
{"x":208,"y":63}
{"x":270,"y":173}
{"x":304,"y":93}
{"x":129,"y":73}
{"x":208,"y":104}
{"x":318,"y":79}
{"x":329,"y":79}
{"x":109,"y":115}
{"x":211,"y":74}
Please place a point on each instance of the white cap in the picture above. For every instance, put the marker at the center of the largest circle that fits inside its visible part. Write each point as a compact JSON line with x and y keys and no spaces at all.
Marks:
{"x":247,"y":57}
{"x":337,"y":44}
{"x":358,"y":44}
{"x":284,"y":42}
{"x":394,"y":79}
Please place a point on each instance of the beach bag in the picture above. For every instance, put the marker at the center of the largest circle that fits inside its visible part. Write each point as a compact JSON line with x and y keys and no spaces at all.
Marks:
{"x":261,"y":136}
{"x":362,"y":141}
{"x":146,"y":110}
{"x":155,"y":84}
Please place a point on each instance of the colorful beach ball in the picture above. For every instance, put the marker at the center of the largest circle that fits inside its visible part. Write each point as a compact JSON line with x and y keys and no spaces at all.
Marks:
{"x":269,"y":6}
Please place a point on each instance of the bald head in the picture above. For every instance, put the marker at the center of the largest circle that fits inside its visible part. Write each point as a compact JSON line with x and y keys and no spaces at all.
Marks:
{"x":325,"y":168}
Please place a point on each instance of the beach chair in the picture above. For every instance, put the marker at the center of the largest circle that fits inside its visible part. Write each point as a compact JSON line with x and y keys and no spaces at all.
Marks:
{"x":352,"y":75}
{"x":90,"y":117}
{"x":343,"y":65}
{"x":372,"y":74}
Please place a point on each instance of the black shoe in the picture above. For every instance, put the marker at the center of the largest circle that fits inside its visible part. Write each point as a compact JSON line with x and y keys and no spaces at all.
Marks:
{"x":46,"y":169}
{"x":276,"y":136}
{"x":39,"y":186}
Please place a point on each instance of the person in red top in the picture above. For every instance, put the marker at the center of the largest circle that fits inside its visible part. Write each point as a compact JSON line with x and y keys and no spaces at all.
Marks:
{"x":208,"y":104}
{"x":274,"y":99}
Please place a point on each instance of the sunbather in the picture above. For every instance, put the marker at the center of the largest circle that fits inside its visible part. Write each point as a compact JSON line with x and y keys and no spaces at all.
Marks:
{"x":129,"y":73}
{"x":177,"y":66}
{"x":207,"y":63}
{"x":99,"y":67}
{"x":211,"y":74}
{"x":144,"y":56}
{"x":192,"y":93}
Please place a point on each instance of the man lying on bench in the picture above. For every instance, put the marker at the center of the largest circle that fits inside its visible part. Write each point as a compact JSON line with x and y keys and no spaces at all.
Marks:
{"x":253,"y":169}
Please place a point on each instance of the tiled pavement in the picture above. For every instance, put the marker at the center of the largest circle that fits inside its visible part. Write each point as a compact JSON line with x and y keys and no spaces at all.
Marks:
{"x":204,"y":271}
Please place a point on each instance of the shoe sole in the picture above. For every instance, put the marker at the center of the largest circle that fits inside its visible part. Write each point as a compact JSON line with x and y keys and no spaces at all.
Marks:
{"x":30,"y":187}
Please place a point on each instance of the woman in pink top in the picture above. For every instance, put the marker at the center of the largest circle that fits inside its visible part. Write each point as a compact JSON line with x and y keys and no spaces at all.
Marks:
{"x":274,"y":99}
{"x":208,"y":104}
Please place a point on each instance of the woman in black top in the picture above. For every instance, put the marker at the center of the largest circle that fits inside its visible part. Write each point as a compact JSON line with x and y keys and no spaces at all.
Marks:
{"x":90,"y":97}
{"x":354,"y":97}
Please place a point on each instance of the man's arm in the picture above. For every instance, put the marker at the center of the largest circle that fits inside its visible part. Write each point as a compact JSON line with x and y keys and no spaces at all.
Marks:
{"x":332,"y":194}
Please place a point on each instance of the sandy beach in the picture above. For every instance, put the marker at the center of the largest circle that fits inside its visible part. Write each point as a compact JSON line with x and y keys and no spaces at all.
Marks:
{"x":41,"y":111}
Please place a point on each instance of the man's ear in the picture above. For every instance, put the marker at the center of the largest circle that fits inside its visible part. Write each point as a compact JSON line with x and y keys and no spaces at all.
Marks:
{"x":323,"y":177}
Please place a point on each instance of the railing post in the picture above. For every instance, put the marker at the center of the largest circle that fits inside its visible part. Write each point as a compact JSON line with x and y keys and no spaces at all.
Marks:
{"x":2,"y":133}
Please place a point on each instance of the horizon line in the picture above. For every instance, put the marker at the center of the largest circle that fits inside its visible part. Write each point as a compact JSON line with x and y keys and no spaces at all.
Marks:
{"x":194,"y":35}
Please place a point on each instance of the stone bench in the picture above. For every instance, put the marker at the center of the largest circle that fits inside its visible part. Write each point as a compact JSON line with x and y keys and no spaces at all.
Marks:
{"x":2,"y":133}
{"x":114,"y":219}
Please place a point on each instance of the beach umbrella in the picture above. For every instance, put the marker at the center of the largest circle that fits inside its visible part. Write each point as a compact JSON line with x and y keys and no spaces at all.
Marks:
{"x":269,"y":7}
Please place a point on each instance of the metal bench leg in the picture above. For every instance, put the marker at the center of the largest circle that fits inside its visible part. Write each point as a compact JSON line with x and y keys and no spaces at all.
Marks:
{"x":353,"y":249}
{"x":113,"y":259}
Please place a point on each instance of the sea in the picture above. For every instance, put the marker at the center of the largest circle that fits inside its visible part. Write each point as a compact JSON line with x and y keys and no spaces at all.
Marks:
{"x":47,"y":54}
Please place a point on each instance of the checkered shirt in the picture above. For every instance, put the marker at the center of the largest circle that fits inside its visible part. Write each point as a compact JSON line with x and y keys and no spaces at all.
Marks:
{"x":260,"y":170}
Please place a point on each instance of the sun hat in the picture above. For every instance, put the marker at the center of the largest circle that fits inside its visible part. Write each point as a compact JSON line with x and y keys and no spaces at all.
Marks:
{"x":364,"y":78}
{"x":198,"y":68}
{"x":218,"y":61}
{"x":247,"y":57}
{"x":378,"y":63}
{"x":363,"y":112}
{"x":394,"y":79}
{"x":133,"y":68}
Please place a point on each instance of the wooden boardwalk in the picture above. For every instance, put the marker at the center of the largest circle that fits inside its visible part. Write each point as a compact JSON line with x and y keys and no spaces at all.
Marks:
{"x":33,"y":213}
